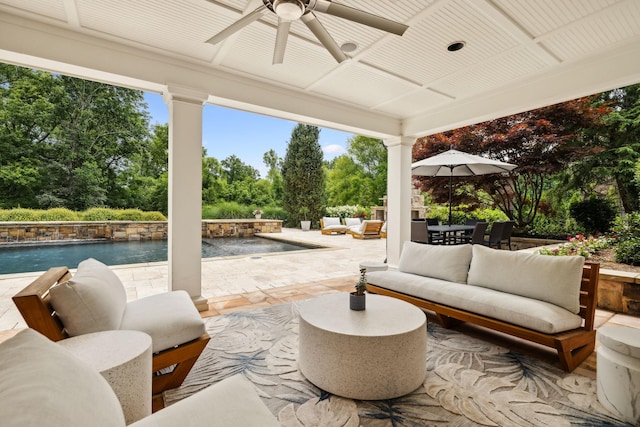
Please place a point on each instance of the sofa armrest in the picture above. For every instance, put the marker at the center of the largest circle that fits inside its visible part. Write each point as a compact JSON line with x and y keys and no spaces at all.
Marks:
{"x":231,"y":402}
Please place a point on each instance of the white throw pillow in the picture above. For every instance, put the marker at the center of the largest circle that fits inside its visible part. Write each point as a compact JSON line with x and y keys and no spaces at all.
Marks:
{"x":554,"y":279}
{"x":43,"y":384}
{"x":93,"y":300}
{"x":438,"y":261}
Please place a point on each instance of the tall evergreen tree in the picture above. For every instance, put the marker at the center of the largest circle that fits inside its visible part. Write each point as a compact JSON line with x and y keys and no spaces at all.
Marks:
{"x":303,"y":176}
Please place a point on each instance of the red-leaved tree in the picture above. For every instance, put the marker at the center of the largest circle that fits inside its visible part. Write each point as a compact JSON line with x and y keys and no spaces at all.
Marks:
{"x":541,"y":142}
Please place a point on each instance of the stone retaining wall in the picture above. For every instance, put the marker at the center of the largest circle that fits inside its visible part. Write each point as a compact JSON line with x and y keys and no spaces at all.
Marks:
{"x":22,"y":232}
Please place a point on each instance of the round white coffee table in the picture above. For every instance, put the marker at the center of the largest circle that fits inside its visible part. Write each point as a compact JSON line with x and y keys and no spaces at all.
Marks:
{"x":378,"y":353}
{"x":124,"y":360}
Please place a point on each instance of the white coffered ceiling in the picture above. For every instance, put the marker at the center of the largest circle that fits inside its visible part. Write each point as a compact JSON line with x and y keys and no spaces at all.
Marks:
{"x":519,"y":54}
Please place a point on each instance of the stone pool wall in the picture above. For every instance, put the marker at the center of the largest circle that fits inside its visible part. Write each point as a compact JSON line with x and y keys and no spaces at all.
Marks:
{"x":22,"y":232}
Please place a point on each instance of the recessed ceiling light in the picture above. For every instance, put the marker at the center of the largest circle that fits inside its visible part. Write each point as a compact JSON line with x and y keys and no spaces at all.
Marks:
{"x":349,"y":47}
{"x":455,"y":46}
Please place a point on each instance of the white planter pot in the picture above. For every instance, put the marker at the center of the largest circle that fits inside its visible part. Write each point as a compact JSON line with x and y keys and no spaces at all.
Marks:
{"x":258,"y":216}
{"x":305,"y":225}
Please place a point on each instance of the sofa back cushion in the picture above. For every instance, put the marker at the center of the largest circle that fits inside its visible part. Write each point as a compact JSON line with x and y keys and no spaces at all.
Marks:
{"x":438,"y":261}
{"x":350,"y":222}
{"x":554,"y":279}
{"x":328,"y":220}
{"x":43,"y":384}
{"x":93,"y":300}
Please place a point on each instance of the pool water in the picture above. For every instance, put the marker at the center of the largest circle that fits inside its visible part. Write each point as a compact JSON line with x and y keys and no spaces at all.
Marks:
{"x":42,"y":256}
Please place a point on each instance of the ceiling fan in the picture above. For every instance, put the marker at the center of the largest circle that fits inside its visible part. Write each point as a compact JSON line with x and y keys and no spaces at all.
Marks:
{"x":291,"y":10}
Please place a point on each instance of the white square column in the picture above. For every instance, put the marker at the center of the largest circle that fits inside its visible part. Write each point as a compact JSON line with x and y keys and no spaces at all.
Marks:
{"x":185,"y":191}
{"x":399,"y":154}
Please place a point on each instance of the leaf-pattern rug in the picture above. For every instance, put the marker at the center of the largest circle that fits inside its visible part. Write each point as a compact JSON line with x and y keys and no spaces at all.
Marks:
{"x":469,"y":381}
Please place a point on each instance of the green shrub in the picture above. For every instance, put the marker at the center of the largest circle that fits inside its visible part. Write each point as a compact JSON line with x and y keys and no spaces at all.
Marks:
{"x":153,"y":216}
{"x":595,"y":215}
{"x":227,"y":210}
{"x":97,"y":214}
{"x":18,"y":215}
{"x":554,"y":227}
{"x":128,"y":215}
{"x":58,"y":214}
{"x":627,"y":233}
{"x":628,"y":252}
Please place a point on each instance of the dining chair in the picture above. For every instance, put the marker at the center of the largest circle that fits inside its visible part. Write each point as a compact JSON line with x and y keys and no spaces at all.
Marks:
{"x":507,"y":230}
{"x":495,"y":235}
{"x":419,"y":231}
{"x":477,"y":235}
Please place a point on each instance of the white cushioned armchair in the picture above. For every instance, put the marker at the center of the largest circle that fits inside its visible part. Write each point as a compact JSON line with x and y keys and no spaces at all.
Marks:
{"x":43,"y":384}
{"x":94,"y":299}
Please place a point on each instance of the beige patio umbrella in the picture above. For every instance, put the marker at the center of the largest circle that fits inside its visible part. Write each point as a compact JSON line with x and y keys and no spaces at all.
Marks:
{"x":458,"y":163}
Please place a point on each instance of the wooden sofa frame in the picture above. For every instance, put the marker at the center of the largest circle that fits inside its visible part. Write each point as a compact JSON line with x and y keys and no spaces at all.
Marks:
{"x":573,"y":346}
{"x":330,"y":232}
{"x":371,"y":231}
{"x":34,"y":304}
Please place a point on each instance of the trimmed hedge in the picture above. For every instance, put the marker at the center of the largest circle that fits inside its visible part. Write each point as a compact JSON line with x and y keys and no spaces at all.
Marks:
{"x":93,"y":214}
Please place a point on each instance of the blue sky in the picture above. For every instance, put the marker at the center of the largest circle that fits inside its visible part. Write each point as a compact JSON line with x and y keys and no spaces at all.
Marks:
{"x":226,"y":131}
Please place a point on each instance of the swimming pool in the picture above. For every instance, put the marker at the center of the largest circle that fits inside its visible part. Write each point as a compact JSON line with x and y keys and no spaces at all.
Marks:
{"x":42,"y":256}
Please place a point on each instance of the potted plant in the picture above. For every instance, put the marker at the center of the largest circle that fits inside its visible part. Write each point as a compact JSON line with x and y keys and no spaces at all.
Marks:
{"x":304,"y":224}
{"x":357,"y":299}
{"x":257,"y":213}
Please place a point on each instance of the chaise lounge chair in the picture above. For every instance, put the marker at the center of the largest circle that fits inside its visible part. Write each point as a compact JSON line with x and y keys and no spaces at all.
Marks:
{"x":369,"y":229}
{"x":331,"y":225}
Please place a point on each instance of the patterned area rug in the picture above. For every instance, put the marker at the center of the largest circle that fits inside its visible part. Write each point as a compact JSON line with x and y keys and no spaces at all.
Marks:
{"x":469,"y":381}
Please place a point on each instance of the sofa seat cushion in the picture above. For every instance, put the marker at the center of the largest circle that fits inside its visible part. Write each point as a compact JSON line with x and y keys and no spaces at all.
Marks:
{"x":554,"y":279}
{"x":43,"y":384}
{"x":522,"y":311}
{"x":438,"y":261}
{"x":170,"y":318}
{"x":93,"y":300}
{"x":231,"y":402}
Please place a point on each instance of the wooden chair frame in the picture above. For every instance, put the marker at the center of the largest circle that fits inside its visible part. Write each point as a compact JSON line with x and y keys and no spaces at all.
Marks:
{"x":170,"y":366}
{"x":371,"y":230}
{"x":330,"y":232}
{"x":573,"y":346}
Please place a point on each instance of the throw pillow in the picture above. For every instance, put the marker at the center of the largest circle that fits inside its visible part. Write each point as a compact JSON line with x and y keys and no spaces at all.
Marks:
{"x":43,"y":384}
{"x":438,"y":261}
{"x":93,"y":300}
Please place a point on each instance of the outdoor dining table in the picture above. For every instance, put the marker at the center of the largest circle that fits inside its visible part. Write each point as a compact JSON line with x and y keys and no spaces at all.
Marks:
{"x":448,"y":230}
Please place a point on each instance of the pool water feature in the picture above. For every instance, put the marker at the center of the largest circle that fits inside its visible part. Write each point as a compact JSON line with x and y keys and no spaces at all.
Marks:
{"x":41,"y":256}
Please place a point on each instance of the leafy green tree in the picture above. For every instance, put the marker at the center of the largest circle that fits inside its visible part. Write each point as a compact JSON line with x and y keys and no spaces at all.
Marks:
{"x":30,"y":109}
{"x":616,"y":146}
{"x":107,"y":124}
{"x":234,"y":170}
{"x":302,"y":175}
{"x":346,"y":183}
{"x":274,"y":174}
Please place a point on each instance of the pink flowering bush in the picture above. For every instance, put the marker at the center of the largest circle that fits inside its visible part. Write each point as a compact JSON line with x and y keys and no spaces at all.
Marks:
{"x":580,"y":245}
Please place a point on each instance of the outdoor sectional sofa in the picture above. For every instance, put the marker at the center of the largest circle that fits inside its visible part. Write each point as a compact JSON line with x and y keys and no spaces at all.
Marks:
{"x":545,"y":299}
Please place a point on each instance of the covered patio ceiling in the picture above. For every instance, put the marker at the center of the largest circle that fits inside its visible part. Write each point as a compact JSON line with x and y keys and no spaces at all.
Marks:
{"x":518,"y":55}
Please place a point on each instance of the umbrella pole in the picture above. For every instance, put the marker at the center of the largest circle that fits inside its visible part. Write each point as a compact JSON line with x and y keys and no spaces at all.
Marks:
{"x":450,"y":194}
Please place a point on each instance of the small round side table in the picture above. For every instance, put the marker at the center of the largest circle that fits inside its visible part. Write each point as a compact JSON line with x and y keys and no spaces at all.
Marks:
{"x":124,"y":360}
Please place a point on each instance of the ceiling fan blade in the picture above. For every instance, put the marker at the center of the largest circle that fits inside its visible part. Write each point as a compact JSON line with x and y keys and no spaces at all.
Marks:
{"x":281,"y":40}
{"x":323,"y":36}
{"x":360,"y":17}
{"x":239,"y":24}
